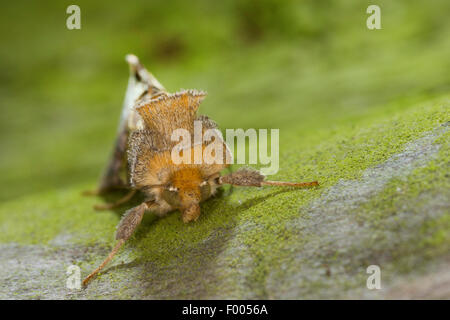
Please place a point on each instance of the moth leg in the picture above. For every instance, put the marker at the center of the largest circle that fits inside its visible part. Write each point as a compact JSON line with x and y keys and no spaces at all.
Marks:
{"x":129,"y":222}
{"x":290,"y":184}
{"x":247,"y":177}
{"x":105,"y":262}
{"x":118,"y":203}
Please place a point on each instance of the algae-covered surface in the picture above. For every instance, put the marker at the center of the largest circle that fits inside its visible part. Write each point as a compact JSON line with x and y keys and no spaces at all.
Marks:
{"x":364,"y":112}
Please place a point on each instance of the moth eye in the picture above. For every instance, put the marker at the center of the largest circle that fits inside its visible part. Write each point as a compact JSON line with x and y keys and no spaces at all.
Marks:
{"x":205,"y":190}
{"x":171,"y":196}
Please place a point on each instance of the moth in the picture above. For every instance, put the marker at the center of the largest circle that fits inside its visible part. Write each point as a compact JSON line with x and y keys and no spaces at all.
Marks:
{"x":141,"y":159}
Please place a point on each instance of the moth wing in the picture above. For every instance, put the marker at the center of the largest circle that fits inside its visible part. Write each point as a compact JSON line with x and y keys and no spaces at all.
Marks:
{"x":169,"y":112}
{"x":213,"y":163}
{"x":143,"y":146}
{"x":150,"y":149}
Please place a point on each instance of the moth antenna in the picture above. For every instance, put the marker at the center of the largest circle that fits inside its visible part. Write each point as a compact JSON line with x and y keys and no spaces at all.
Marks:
{"x":111,"y":255}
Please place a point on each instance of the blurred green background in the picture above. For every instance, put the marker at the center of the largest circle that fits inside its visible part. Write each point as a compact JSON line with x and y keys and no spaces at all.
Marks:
{"x":302,"y":66}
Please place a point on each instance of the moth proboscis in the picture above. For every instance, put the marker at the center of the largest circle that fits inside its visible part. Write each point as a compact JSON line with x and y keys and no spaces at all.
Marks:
{"x":142,"y":153}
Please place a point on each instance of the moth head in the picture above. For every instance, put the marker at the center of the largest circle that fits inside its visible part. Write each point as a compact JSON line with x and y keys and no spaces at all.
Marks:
{"x":185,"y":189}
{"x":192,"y":198}
{"x":205,"y":190}
{"x":171,"y":195}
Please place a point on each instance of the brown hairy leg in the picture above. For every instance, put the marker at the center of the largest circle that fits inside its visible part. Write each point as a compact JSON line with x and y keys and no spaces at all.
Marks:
{"x":129,"y":222}
{"x":105,"y":262}
{"x":248,"y":177}
{"x":290,"y":184}
{"x":118,"y":203}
